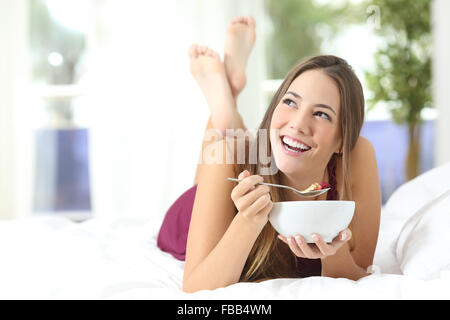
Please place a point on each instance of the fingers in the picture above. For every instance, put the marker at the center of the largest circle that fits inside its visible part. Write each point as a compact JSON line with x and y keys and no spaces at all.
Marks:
{"x":346,"y":235}
{"x":245,"y":185}
{"x":248,"y":195}
{"x":248,"y":199}
{"x":324,"y":248}
{"x":329,"y":249}
{"x":293,"y":245}
{"x":307,"y":250}
{"x":260,"y":203}
{"x":343,"y":237}
{"x":266,"y":210}
{"x":244,"y":174}
{"x":320,"y":248}
{"x":252,"y":201}
{"x":301,"y":248}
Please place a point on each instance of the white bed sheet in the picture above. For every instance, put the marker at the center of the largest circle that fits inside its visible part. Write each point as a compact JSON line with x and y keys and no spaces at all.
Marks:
{"x":54,"y":258}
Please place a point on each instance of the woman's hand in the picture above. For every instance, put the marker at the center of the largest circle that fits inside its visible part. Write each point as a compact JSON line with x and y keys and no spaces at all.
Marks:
{"x":253,"y":202}
{"x":320,"y":249}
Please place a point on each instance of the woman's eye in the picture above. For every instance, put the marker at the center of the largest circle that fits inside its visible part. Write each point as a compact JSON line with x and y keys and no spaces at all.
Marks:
{"x":322,"y":115}
{"x":289,"y":102}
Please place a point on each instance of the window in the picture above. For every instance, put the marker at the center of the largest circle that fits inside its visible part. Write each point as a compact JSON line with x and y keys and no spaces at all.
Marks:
{"x":58,"y":55}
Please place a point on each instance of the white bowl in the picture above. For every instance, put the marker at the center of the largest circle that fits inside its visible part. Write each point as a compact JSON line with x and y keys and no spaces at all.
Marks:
{"x":325,"y":218}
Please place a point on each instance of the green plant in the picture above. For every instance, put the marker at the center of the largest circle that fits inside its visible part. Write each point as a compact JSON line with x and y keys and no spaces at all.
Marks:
{"x":299,"y":27}
{"x":402,"y":75}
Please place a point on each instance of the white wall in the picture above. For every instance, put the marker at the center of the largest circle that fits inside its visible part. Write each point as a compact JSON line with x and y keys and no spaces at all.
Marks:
{"x":441,"y":73}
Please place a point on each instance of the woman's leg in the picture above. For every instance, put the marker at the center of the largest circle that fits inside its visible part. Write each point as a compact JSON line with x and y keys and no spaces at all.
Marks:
{"x":208,"y":71}
{"x":239,"y":43}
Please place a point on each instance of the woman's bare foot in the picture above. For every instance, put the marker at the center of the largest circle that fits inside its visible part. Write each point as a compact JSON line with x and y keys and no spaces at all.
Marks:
{"x":238,"y":45}
{"x":209,"y":72}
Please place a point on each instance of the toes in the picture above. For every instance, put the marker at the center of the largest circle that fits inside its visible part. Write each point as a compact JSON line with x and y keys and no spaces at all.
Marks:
{"x":212,"y":53}
{"x":203,"y":50}
{"x":247,"y":20}
{"x":193,"y":51}
{"x":236,"y":20}
{"x":239,"y":20}
{"x":251,"y":21}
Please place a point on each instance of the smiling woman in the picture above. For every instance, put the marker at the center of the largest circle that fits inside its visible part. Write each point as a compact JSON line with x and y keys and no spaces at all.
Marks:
{"x":321,"y":80}
{"x":314,"y":120}
{"x":308,"y":113}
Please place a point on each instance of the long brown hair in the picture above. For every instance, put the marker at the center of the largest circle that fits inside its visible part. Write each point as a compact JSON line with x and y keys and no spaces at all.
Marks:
{"x":268,"y":259}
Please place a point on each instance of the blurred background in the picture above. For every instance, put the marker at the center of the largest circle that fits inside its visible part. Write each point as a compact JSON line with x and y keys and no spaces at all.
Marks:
{"x":99,"y":116}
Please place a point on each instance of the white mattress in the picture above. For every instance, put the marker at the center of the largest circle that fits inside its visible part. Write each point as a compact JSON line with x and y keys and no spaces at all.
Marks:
{"x":54,"y":258}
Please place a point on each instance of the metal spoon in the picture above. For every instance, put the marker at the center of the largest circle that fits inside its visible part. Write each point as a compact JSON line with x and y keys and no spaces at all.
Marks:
{"x":311,"y":194}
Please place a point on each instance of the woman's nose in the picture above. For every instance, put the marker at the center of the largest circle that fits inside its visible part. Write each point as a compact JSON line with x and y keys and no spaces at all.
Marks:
{"x":301,"y":122}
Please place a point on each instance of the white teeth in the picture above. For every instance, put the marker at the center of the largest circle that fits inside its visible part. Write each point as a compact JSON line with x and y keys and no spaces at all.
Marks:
{"x":296,"y":151}
{"x":295,"y":144}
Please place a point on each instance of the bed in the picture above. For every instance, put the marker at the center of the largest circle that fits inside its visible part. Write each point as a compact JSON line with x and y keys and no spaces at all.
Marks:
{"x":55,"y":258}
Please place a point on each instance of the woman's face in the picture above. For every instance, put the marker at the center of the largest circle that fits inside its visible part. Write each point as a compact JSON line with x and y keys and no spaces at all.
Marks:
{"x":307,"y":118}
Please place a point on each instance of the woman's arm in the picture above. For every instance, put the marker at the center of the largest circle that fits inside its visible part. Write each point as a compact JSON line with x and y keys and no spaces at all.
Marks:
{"x":219,"y":240}
{"x":367,"y":196}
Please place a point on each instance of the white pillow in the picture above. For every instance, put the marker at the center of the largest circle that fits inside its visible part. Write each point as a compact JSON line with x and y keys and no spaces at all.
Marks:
{"x":414,"y":194}
{"x":423,"y":245}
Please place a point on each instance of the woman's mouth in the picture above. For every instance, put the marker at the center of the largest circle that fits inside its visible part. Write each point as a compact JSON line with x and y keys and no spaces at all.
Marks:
{"x":293,"y":147}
